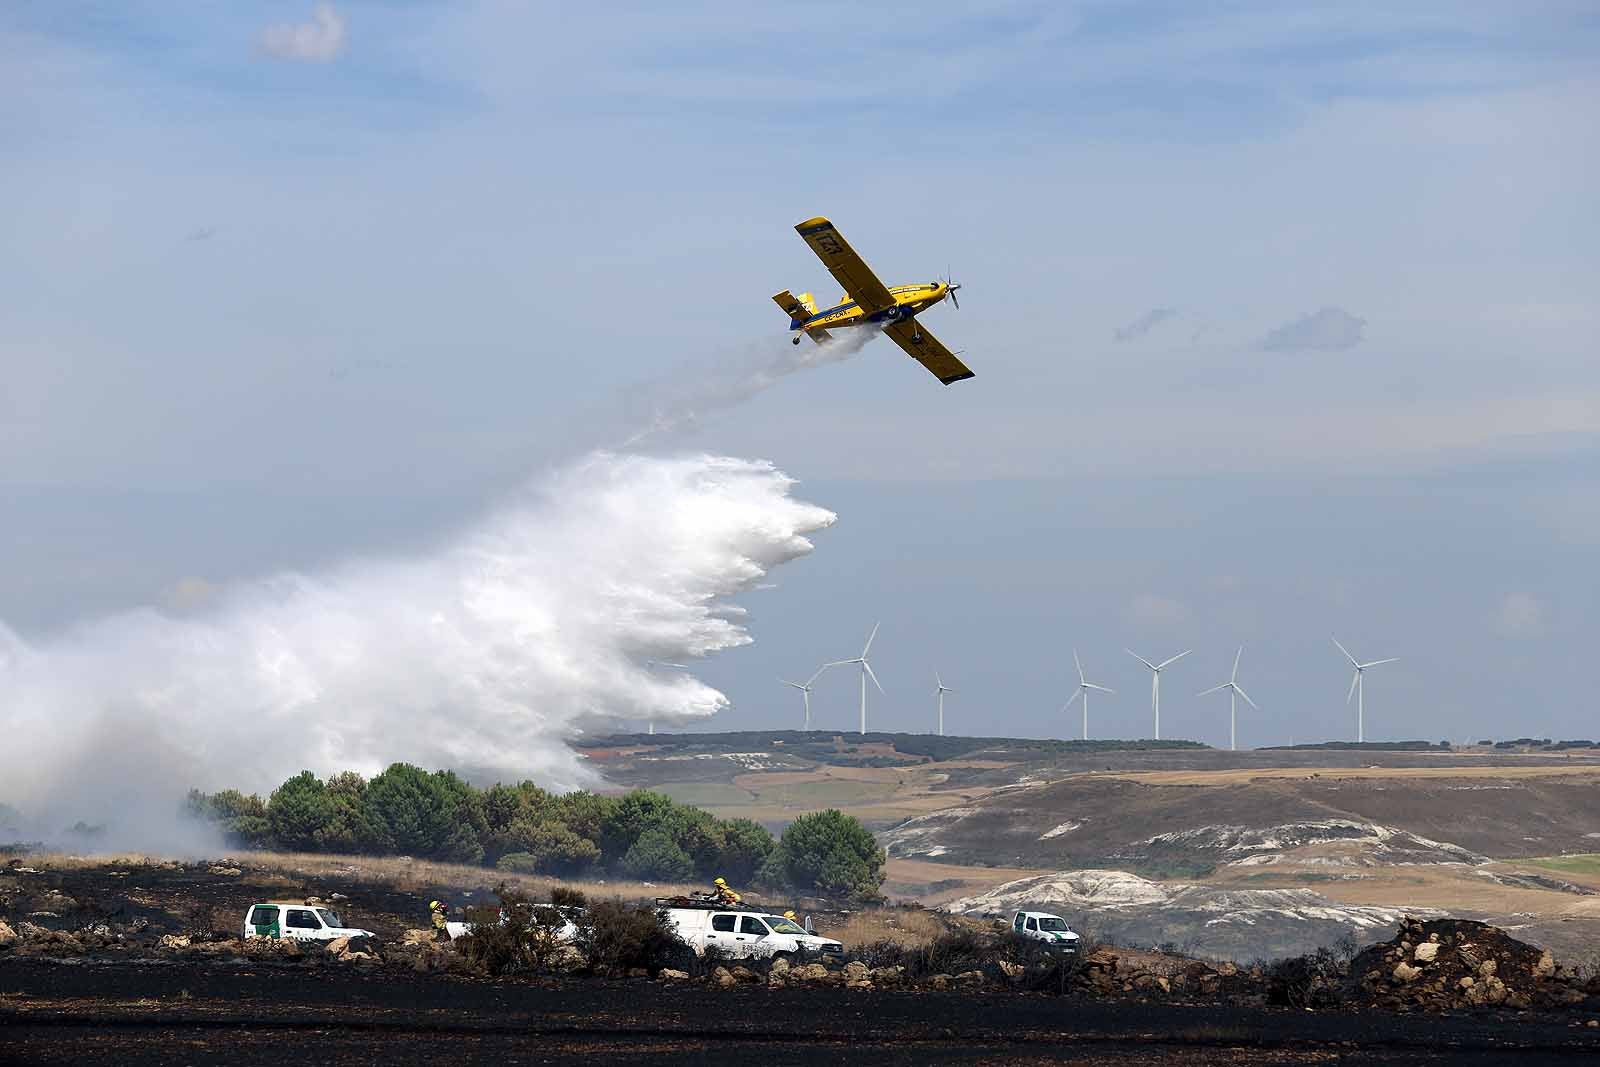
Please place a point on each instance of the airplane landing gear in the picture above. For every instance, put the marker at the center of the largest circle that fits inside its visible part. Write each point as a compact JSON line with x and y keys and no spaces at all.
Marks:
{"x":795,"y":339}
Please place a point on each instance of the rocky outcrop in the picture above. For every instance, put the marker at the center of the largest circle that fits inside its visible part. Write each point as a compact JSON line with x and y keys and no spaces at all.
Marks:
{"x":1456,"y":964}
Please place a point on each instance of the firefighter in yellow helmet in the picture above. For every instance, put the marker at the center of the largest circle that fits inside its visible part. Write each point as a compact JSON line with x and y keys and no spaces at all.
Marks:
{"x":439,"y":912}
{"x":725,"y":895}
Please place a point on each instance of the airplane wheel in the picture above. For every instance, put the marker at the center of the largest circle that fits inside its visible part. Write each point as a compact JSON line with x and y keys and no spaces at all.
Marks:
{"x":795,"y":339}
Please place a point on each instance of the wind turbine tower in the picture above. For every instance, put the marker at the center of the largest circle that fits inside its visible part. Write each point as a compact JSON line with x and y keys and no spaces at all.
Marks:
{"x":1234,"y":693}
{"x":805,"y":691}
{"x":1084,"y":685}
{"x":1358,"y":688}
{"x":941,"y":691}
{"x":866,"y":672}
{"x":1155,"y":681}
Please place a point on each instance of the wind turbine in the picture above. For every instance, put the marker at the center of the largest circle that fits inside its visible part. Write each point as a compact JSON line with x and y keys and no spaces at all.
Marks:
{"x":1358,"y":688}
{"x":866,"y":672}
{"x":805,"y":690}
{"x":1234,"y":693}
{"x":1084,"y":685}
{"x":1155,"y":680}
{"x":941,"y":691}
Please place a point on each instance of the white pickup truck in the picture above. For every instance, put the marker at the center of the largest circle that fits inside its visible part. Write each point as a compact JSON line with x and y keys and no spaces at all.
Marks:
{"x":300,"y":922}
{"x":1042,"y":926}
{"x":747,"y":934}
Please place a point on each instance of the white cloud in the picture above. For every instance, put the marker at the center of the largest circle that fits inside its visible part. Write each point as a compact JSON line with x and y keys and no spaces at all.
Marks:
{"x":1520,"y":615}
{"x":1144,"y":323}
{"x":1328,"y":330}
{"x":319,"y":41}
{"x":1150,"y":609}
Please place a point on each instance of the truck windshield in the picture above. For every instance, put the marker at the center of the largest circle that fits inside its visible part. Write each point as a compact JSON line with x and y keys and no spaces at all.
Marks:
{"x":1053,"y":923}
{"x":329,"y":918}
{"x":783,"y":926}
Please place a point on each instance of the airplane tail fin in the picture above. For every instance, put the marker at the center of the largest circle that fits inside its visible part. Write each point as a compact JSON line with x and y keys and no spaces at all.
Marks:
{"x":798,"y":308}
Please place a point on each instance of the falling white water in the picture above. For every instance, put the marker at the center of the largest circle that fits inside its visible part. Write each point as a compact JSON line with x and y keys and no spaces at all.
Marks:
{"x":487,"y":654}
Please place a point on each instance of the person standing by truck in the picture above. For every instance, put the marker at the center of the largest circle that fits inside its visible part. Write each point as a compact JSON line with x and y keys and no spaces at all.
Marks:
{"x":440,"y":913}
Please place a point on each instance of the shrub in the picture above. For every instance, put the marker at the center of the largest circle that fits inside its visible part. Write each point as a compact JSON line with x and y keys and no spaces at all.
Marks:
{"x":518,"y":863}
{"x":828,"y":853}
{"x":616,"y":935}
{"x":1312,"y":981}
{"x":656,"y":855}
{"x":523,"y":937}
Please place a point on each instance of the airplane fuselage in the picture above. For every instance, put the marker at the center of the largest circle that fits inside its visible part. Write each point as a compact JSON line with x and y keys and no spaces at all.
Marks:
{"x":909,"y":300}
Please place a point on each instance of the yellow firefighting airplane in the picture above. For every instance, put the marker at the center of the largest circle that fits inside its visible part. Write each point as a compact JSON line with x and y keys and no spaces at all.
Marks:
{"x":867,"y":302}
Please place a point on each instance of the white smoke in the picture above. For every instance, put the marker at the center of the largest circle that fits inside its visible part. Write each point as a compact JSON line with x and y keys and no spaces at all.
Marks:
{"x":678,"y":402}
{"x":487,"y":654}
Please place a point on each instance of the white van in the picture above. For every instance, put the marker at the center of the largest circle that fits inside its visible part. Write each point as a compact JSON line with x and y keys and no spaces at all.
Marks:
{"x":302,"y":922}
{"x":748,"y":934}
{"x":1042,"y":926}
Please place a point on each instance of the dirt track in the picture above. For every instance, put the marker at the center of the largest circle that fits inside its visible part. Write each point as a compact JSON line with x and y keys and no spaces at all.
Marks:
{"x":128,"y":1013}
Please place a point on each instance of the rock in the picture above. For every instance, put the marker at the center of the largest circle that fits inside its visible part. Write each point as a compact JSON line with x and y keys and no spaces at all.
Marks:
{"x":30,"y":931}
{"x":1466,"y":982}
{"x":888,"y":976}
{"x":230,"y":872}
{"x":745,"y":974}
{"x":780,"y":966}
{"x":723,"y":978}
{"x":970,"y":978}
{"x":813,"y":972}
{"x":667,"y":974}
{"x":1593,"y":1024}
{"x":1011,"y":970}
{"x":1426,"y":952}
{"x":1487,"y":968}
{"x":939,"y":981}
{"x":175,"y":942}
{"x":1546,"y":966}
{"x":338,"y":946}
{"x":856,"y":971}
{"x":1404,"y":972}
{"x":416,"y":937}
{"x":1165,"y":984}
{"x":8,"y":936}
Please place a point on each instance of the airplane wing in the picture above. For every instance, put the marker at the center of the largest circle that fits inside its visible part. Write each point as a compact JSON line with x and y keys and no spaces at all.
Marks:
{"x":847,"y":268}
{"x":929,"y":351}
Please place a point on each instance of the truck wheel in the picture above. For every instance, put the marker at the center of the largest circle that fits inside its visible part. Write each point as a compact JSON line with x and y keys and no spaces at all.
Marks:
{"x":787,"y":957}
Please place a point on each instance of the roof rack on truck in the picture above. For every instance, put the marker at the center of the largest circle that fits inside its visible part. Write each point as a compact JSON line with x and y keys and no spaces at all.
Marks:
{"x":706,"y":901}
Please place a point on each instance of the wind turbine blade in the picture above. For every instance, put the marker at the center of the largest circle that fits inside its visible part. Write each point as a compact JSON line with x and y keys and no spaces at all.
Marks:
{"x":1174,"y":659}
{"x":786,"y":681}
{"x":937,"y":680}
{"x":870,"y":636}
{"x":1374,"y":663}
{"x":1141,"y":659}
{"x":1213,"y":689}
{"x":1246,"y":696}
{"x":814,"y":677}
{"x":1354,"y":679}
{"x":1073,"y":700}
{"x":868,"y":668}
{"x":1101,"y":688}
{"x":838,"y":663}
{"x":1236,"y":656}
{"x":1346,"y":652}
{"x":1079,"y":663}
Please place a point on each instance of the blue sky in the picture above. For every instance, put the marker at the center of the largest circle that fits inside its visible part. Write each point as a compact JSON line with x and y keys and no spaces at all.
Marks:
{"x":286,"y":287}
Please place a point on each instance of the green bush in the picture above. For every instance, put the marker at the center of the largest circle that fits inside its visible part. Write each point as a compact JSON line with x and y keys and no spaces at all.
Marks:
{"x":828,"y":853}
{"x":518,"y":863}
{"x":656,"y":856}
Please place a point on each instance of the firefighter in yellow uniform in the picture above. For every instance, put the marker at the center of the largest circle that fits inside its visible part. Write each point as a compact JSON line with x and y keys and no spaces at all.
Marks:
{"x":440,"y":912}
{"x":725,"y":895}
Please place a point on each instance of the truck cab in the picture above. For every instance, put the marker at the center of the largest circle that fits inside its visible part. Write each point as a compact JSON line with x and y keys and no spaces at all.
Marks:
{"x":298,"y":922}
{"x":1047,"y":928}
{"x":748,"y":934}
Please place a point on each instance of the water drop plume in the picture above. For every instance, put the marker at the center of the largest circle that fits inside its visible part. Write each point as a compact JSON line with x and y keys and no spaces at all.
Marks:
{"x":524,"y":629}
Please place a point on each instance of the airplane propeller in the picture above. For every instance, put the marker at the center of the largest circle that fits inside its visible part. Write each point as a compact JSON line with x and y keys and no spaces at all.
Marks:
{"x":950,"y":287}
